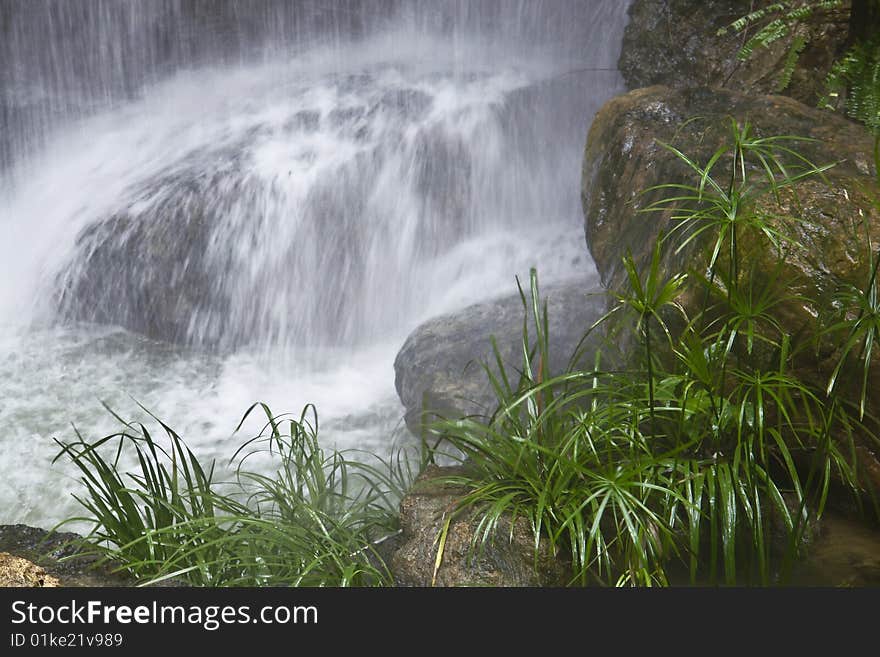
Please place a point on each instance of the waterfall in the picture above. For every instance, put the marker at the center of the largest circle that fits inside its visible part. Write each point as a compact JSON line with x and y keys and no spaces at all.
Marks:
{"x":205,"y":204}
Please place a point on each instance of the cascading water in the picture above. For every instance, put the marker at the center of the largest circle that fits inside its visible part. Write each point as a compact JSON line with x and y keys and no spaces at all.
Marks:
{"x":206,"y":204}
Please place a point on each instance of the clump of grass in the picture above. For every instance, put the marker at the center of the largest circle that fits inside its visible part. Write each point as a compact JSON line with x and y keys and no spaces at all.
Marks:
{"x":317,"y":521}
{"x":706,"y":454}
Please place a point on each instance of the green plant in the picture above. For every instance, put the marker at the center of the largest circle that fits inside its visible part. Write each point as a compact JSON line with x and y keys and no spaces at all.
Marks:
{"x":316,"y":521}
{"x":861,"y":319}
{"x":648,"y":301}
{"x":714,"y":457}
{"x":576,"y":468}
{"x":764,"y":418}
{"x":724,"y":210}
{"x":775,"y":22}
{"x":171,"y":490}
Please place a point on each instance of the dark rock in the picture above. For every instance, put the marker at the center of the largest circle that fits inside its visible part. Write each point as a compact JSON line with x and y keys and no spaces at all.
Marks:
{"x":147,"y":267}
{"x":407,"y":104}
{"x":508,"y":558}
{"x":443,"y":177}
{"x":57,"y":555}
{"x":833,"y":219}
{"x":439,"y":369}
{"x":184,"y":255}
{"x":676,"y":43}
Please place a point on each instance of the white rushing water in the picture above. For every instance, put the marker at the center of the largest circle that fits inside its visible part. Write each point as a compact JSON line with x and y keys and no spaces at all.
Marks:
{"x":276,"y":222}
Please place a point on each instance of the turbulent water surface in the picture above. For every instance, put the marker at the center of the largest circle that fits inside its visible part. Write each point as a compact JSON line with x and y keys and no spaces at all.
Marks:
{"x":205,"y":205}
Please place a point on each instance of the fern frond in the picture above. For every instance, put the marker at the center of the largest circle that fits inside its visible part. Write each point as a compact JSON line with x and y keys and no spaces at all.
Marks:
{"x":791,"y":60}
{"x":858,"y":75}
{"x":743,"y":22}
{"x":776,"y":21}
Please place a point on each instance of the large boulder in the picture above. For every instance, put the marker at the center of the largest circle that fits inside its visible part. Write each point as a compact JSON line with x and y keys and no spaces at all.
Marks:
{"x":676,"y":43}
{"x":440,"y":368}
{"x":214,"y":247}
{"x":213,"y":251}
{"x":147,"y":267}
{"x":507,"y":559}
{"x":833,"y":219}
{"x":624,"y":158}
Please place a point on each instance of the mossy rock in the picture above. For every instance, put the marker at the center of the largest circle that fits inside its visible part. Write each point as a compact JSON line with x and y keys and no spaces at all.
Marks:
{"x":507,"y":559}
{"x":832,"y":218}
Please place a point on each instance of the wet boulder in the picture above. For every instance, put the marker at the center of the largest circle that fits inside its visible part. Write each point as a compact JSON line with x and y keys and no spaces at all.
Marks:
{"x":440,"y":368}
{"x":506,"y":559}
{"x":831,"y":218}
{"x":147,"y":267}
